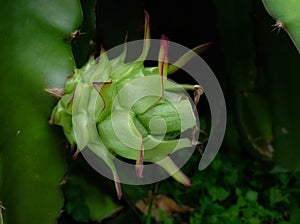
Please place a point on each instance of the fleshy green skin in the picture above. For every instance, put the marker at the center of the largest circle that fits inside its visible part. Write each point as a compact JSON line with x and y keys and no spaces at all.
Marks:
{"x":253,"y":107}
{"x":263,"y":72}
{"x":101,"y":110}
{"x":281,"y":69}
{"x":287,"y":16}
{"x":34,"y":55}
{"x":250,"y":107}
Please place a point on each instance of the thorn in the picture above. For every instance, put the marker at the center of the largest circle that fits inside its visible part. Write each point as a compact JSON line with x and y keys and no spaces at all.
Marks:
{"x":92,"y":43}
{"x":76,"y":34}
{"x":1,"y":206}
{"x":57,"y":92}
{"x":278,"y":26}
{"x":200,"y":149}
{"x":198,"y":91}
{"x":65,"y":180}
{"x":74,"y":157}
{"x":51,"y":122}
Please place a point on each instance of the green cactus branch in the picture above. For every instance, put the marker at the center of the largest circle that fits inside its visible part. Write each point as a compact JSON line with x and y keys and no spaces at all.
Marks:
{"x":35,"y":53}
{"x":287,"y":17}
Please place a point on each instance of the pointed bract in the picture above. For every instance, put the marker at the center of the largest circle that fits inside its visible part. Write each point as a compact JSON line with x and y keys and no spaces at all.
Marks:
{"x":187,"y":57}
{"x":146,"y":45}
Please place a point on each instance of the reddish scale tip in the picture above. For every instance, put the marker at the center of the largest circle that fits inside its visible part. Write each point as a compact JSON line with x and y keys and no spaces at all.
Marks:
{"x":147,"y":24}
{"x":188,"y":183}
{"x":97,"y":86}
{"x":118,"y":187}
{"x":139,"y":170}
{"x":185,"y":181}
{"x":75,"y":155}
{"x":71,"y":101}
{"x":165,"y":38}
{"x":140,"y":161}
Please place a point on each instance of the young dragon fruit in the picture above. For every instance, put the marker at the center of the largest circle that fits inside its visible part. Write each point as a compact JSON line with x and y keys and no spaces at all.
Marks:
{"x":126,"y":109}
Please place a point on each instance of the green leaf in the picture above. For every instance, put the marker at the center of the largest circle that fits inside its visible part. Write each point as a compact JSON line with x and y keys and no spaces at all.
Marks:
{"x":276,"y":195}
{"x":218,"y":193}
{"x":295,"y":215}
{"x":86,"y":201}
{"x":251,"y":196}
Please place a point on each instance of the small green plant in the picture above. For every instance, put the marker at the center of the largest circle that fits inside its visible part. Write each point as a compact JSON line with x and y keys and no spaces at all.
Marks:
{"x":231,"y":192}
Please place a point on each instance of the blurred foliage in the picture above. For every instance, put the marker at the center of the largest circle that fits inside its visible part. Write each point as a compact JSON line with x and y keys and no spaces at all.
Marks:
{"x":234,"y":189}
{"x":85,"y":201}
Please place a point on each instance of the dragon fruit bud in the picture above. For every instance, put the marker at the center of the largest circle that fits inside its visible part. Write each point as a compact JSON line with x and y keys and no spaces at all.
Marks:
{"x":123,"y":108}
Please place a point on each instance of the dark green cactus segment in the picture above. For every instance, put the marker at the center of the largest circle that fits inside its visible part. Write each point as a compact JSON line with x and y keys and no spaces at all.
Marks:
{"x":117,"y":108}
{"x":287,"y":17}
{"x":235,"y":30}
{"x":253,"y":107}
{"x":262,"y":67}
{"x":279,"y":62}
{"x":250,"y":104}
{"x":34,"y":56}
